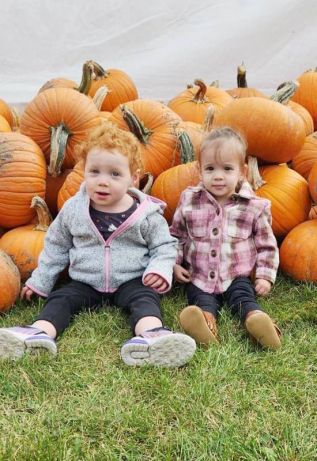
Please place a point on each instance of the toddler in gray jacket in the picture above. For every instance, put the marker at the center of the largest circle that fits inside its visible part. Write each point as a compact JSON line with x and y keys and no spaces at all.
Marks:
{"x":118,"y":250}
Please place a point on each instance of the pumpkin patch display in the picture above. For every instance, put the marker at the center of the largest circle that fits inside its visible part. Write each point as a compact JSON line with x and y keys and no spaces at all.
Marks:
{"x":298,"y":252}
{"x":22,"y":175}
{"x":10,"y":283}
{"x":24,"y":244}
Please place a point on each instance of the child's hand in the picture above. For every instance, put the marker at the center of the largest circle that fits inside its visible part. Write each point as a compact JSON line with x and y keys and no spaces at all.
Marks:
{"x":262,"y":287}
{"x":180,"y":274}
{"x":26,"y":293}
{"x":156,"y":282}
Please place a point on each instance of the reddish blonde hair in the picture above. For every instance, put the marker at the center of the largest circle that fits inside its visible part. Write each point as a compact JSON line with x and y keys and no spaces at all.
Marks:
{"x":220,"y":135}
{"x":108,"y":136}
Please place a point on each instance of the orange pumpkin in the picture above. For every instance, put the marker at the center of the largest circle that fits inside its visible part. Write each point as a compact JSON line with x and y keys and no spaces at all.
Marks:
{"x":22,"y":175}
{"x":58,"y":83}
{"x":298,"y":252}
{"x":243,"y":91}
{"x":306,"y":93}
{"x":71,"y":184}
{"x":195,"y":133}
{"x":169,"y":185}
{"x":10,"y":283}
{"x":24,"y":244}
{"x":304,"y":115}
{"x":289,"y":196}
{"x":312,"y":182}
{"x":6,"y":112}
{"x":53,"y":186}
{"x":192,"y":104}
{"x":274,"y":133}
{"x":120,"y":85}
{"x":58,"y":119}
{"x":154,"y":125}
{"x":4,"y":125}
{"x":303,"y":161}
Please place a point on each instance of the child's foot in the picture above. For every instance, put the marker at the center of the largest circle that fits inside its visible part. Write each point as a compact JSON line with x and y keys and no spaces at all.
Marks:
{"x":261,"y":327}
{"x":160,"y":347}
{"x":199,"y":324}
{"x":16,"y":341}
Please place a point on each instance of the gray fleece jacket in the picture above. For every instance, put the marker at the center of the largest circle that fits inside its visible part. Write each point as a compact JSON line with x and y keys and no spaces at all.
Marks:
{"x":141,"y":245}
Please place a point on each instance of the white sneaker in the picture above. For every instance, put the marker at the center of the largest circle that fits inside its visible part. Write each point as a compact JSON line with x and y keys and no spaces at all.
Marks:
{"x":16,"y":341}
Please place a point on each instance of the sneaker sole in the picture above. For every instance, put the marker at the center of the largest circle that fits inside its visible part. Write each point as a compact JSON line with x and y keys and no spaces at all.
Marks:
{"x":167,"y":351}
{"x":11,"y":346}
{"x":194,"y":324}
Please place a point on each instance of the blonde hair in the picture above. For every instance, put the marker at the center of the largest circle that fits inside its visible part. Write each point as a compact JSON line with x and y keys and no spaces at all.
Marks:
{"x":109,"y":136}
{"x":222,"y":134}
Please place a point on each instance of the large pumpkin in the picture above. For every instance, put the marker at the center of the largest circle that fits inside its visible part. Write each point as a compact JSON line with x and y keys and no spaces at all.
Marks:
{"x":274,"y":132}
{"x":306,"y":93}
{"x":298,"y":252}
{"x":154,"y":125}
{"x":192,"y":104}
{"x":58,"y":119}
{"x":120,"y":85}
{"x":22,"y":175}
{"x":24,"y":244}
{"x":304,"y":160}
{"x":289,"y":196}
{"x":10,"y":283}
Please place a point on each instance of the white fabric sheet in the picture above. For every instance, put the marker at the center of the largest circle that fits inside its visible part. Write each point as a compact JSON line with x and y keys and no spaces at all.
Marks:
{"x":162,"y":45}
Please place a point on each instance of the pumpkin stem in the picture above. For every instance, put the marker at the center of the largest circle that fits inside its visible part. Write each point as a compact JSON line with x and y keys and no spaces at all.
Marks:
{"x":100,"y":96}
{"x":254,"y":177}
{"x":200,"y":95}
{"x":59,"y":137}
{"x":241,"y":76}
{"x":186,"y":147}
{"x":215,"y":84}
{"x":284,"y":92}
{"x":209,"y":118}
{"x":135,"y":125}
{"x":91,"y":71}
{"x":146,"y":182}
{"x":43,"y":214}
{"x":16,"y":119}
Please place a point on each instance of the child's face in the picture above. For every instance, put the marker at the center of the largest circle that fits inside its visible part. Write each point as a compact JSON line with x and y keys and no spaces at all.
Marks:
{"x":108,"y":177}
{"x":221,"y":169}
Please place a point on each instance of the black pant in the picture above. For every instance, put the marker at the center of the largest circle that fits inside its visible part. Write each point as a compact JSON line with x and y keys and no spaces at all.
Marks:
{"x":135,"y":298}
{"x":239,"y":297}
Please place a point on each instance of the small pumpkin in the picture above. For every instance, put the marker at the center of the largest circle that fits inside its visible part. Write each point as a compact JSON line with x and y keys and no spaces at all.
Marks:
{"x":4,"y":125}
{"x":10,"y":283}
{"x":242,"y":90}
{"x":306,"y":93}
{"x":298,"y":252}
{"x":304,"y":160}
{"x":6,"y":112}
{"x":24,"y":244}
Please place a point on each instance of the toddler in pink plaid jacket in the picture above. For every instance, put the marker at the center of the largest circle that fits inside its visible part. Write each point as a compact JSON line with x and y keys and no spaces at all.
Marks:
{"x":225,"y":235}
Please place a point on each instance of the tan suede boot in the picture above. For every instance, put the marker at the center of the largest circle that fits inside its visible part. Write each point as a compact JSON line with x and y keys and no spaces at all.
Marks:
{"x":262,"y":329}
{"x":199,"y":324}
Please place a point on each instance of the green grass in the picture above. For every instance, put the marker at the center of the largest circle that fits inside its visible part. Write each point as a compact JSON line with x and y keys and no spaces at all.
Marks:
{"x":233,"y":402}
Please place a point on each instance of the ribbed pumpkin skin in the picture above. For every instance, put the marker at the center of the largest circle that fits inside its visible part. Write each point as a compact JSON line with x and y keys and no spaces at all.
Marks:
{"x":312,"y":182}
{"x":307,"y":156}
{"x":22,"y":175}
{"x":304,"y":114}
{"x":289,"y":196}
{"x":306,"y":93}
{"x":121,"y":89}
{"x":71,"y":184}
{"x":23,"y":244}
{"x":160,"y":151}
{"x":246,"y":93}
{"x":4,"y":125}
{"x":169,"y":185}
{"x":274,"y":133}
{"x":6,"y":112}
{"x":195,"y":133}
{"x":192,"y":111}
{"x":53,"y":106}
{"x":298,"y":252}
{"x":58,"y":83}
{"x":10,"y":283}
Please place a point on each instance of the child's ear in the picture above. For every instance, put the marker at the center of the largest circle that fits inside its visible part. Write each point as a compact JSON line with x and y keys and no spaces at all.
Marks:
{"x":135,"y":179}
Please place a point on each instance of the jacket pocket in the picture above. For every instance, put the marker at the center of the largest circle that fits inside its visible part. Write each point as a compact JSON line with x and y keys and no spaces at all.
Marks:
{"x":240,"y":224}
{"x":197,"y":224}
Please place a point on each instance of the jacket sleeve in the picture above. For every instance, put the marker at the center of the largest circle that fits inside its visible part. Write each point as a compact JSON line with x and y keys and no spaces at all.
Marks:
{"x":54,"y":256}
{"x":179,"y":229}
{"x":267,"y":251}
{"x":161,"y":246}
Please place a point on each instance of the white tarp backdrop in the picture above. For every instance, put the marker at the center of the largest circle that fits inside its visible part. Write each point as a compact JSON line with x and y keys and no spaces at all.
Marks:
{"x":162,"y":44}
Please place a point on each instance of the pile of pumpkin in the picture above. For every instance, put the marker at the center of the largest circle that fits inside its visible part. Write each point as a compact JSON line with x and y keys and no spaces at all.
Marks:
{"x":38,"y":169}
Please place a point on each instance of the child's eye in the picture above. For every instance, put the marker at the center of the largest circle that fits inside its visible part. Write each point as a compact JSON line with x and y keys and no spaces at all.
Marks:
{"x":115,"y":174}
{"x":228,"y":168}
{"x":209,"y":168}
{"x":94,"y":171}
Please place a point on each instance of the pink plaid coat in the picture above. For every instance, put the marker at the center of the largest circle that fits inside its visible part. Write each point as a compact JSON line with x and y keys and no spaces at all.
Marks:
{"x":219,"y":244}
